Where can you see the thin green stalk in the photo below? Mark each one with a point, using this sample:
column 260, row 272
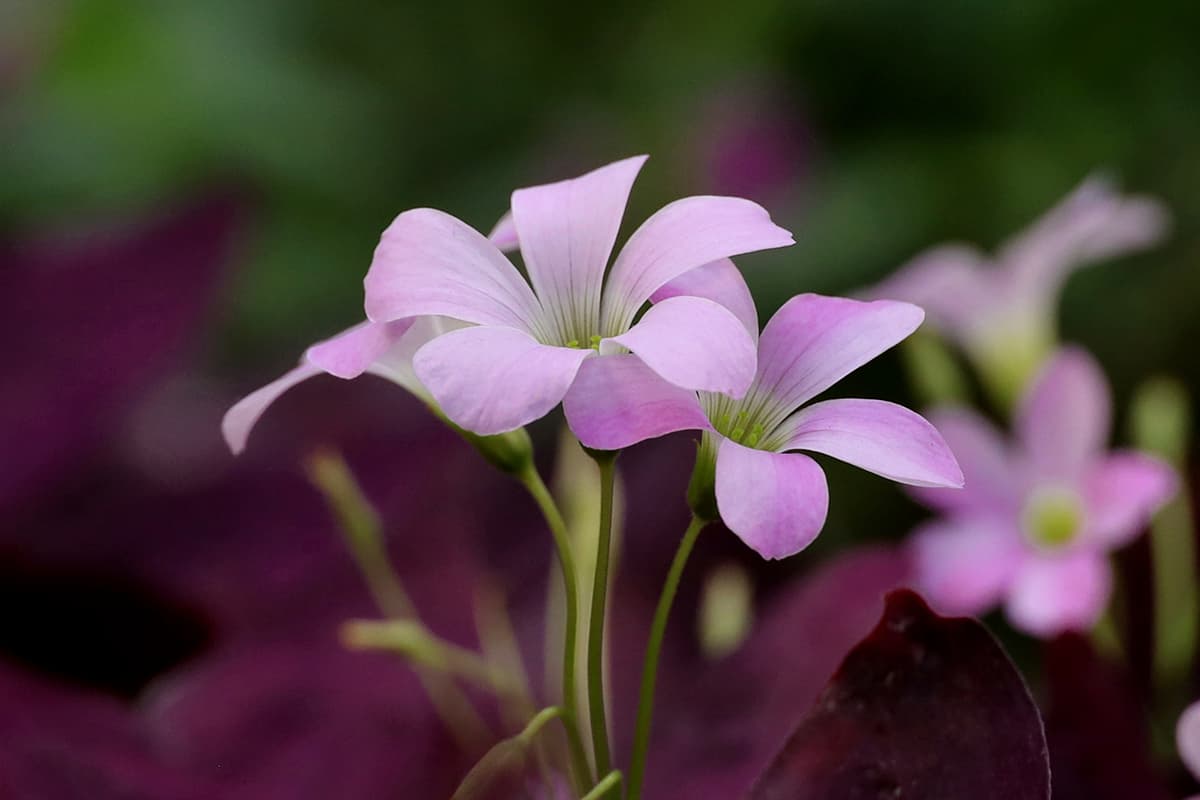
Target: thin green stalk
column 533, row 482
column 595, row 653
column 641, row 736
column 505, row 755
column 610, row 781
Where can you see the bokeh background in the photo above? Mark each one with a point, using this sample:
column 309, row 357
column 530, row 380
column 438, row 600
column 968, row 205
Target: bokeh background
column 190, row 193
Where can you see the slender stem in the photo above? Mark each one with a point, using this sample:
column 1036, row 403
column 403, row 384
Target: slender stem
column 641, row 736
column 606, row 785
column 595, row 652
column 533, row 482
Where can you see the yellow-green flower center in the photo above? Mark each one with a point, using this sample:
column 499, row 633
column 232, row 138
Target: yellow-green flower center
column 1053, row 518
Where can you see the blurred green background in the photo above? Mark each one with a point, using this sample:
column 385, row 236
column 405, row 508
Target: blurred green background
column 871, row 129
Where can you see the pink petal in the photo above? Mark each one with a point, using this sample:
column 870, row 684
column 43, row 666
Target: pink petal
column 352, row 352
column 1187, row 738
column 566, row 231
column 1122, row 492
column 953, row 283
column 814, row 341
column 990, row 478
column 429, row 263
column 490, row 379
column 720, row 281
column 877, row 436
column 681, row 236
column 1054, row 594
column 693, row 343
column 775, row 502
column 1064, row 421
column 964, row 565
column 617, row 401
column 241, row 418
column 504, row 233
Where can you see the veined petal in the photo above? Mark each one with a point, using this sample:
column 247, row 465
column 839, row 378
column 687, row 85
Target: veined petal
column 1064, row 420
column 504, row 233
column 566, row 232
column 693, row 343
column 491, row 380
column 775, row 502
column 617, row 401
column 814, row 341
column 720, row 281
column 429, row 263
column 1121, row 494
column 990, row 476
column 366, row 347
column 964, row 565
column 679, row 237
column 953, row 283
column 877, row 436
column 1052, row 595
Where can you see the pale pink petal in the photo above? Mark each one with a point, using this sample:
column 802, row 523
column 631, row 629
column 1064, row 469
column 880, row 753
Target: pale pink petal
column 1055, row 594
column 953, row 283
column 429, row 263
column 504, row 233
column 1187, row 738
column 617, row 401
column 351, row 353
column 1064, row 420
column 814, row 341
column 991, row 481
column 693, row 343
column 241, row 418
column 566, row 231
column 1122, row 492
column 775, row 502
column 877, row 436
column 679, row 237
column 720, row 281
column 490, row 379
column 964, row 565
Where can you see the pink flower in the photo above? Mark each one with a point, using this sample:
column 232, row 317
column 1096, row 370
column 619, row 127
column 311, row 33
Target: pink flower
column 774, row 499
column 1002, row 310
column 1187, row 740
column 1037, row 518
column 527, row 340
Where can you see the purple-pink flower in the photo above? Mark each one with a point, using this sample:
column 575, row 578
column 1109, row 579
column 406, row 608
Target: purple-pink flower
column 1187, row 740
column 774, row 499
column 527, row 339
column 1038, row 516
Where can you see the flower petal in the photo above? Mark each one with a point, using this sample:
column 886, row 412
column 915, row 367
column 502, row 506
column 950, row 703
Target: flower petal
column 566, row 232
column 877, row 436
column 953, row 283
column 814, row 341
column 352, row 352
column 1064, row 420
column 1187, row 738
column 775, row 502
column 964, row 565
column 679, row 237
column 491, row 379
column 720, row 281
column 693, row 343
column 240, row 419
column 1052, row 595
column 617, row 401
column 504, row 233
column 1122, row 492
column 990, row 478
column 429, row 263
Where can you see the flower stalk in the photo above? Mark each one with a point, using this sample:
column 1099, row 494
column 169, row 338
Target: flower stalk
column 597, row 714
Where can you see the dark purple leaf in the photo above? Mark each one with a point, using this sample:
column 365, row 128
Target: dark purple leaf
column 924, row 707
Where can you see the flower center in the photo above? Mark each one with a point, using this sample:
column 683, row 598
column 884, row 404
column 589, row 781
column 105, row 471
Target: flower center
column 590, row 343
column 738, row 421
column 1053, row 518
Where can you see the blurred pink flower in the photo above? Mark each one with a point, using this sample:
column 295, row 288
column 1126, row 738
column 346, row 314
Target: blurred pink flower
column 1037, row 518
column 1187, row 740
column 526, row 344
column 775, row 500
column 1002, row 310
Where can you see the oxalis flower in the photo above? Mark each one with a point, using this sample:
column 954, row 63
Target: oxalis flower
column 1002, row 309
column 1187, row 740
column 774, row 499
column 1038, row 516
column 527, row 340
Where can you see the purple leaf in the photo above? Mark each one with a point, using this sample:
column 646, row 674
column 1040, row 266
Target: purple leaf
column 924, row 707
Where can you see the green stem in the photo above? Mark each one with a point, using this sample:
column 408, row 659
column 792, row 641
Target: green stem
column 610, row 782
column 641, row 736
column 533, row 482
column 595, row 653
